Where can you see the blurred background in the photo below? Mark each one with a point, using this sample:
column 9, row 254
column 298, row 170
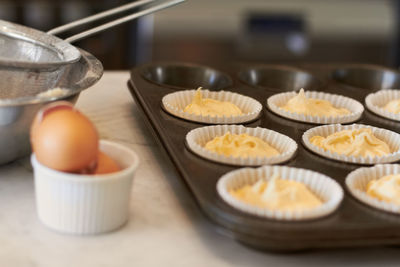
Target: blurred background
column 223, row 31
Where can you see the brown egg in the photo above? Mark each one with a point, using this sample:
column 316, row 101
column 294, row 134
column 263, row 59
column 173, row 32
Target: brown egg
column 105, row 164
column 43, row 111
column 64, row 139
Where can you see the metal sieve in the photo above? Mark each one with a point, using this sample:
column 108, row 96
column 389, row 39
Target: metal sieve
column 32, row 61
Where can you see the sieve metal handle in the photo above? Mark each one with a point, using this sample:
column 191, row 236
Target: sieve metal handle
column 98, row 16
column 116, row 22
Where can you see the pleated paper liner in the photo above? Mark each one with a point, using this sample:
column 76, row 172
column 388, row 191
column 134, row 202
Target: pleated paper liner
column 356, row 109
column 325, row 188
column 358, row 180
column 175, row 103
column 391, row 138
column 376, row 101
column 196, row 140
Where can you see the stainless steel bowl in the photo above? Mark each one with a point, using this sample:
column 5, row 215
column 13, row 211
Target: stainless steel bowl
column 32, row 62
column 19, row 103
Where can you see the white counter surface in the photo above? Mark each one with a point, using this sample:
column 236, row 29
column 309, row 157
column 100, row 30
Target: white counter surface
column 166, row 228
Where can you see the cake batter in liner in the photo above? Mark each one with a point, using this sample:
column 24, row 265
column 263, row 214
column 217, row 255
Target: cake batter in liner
column 175, row 103
column 376, row 101
column 197, row 139
column 358, row 180
column 356, row 109
column 391, row 138
column 324, row 187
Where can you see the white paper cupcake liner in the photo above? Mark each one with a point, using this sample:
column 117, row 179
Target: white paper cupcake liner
column 391, row 138
column 275, row 103
column 196, row 140
column 175, row 103
column 376, row 101
column 86, row 204
column 358, row 180
column 325, row 188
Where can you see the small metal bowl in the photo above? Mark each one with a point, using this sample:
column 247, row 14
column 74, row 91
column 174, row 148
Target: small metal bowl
column 19, row 101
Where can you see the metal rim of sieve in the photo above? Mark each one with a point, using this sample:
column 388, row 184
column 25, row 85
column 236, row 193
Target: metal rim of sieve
column 63, row 51
column 29, row 56
column 91, row 75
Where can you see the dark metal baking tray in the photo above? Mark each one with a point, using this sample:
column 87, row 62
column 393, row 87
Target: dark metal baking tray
column 352, row 225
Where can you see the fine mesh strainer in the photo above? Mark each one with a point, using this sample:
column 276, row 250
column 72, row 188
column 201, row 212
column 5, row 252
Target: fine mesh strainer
column 23, row 47
column 32, row 61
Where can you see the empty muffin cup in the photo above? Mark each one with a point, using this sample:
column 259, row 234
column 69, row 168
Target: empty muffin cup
column 358, row 180
column 370, row 77
column 183, row 76
column 278, row 78
column 86, row 204
column 354, row 107
column 376, row 102
column 327, row 190
column 391, row 138
column 175, row 104
column 196, row 140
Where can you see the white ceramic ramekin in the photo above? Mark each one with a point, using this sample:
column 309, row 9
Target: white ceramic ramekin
column 86, row 204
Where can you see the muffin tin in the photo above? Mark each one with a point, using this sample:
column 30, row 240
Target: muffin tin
column 354, row 224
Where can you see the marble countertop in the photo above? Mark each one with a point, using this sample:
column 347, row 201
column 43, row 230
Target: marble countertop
column 166, row 227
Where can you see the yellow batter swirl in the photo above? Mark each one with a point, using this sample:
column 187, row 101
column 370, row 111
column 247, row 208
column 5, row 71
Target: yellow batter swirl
column 278, row 194
column 211, row 107
column 386, row 188
column 393, row 106
column 361, row 142
column 315, row 107
column 242, row 145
